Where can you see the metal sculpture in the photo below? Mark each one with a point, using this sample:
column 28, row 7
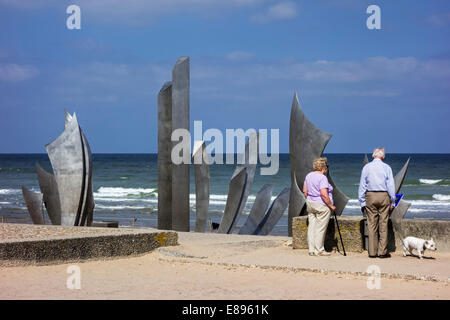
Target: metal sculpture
column 258, row 210
column 49, row 189
column 400, row 176
column 250, row 161
column 68, row 194
column 274, row 213
column 180, row 120
column 402, row 207
column 34, row 203
column 339, row 198
column 306, row 143
column 235, row 195
column 88, row 204
column 201, row 172
column 66, row 157
column 366, row 160
column 164, row 162
column 400, row 210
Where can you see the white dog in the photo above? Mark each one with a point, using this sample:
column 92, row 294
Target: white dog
column 411, row 243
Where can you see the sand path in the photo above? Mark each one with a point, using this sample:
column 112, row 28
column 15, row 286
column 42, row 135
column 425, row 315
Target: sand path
column 236, row 267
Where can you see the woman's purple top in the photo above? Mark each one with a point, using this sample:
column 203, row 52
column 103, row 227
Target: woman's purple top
column 314, row 182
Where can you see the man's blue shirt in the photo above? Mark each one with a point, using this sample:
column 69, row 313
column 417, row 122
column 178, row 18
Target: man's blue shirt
column 376, row 176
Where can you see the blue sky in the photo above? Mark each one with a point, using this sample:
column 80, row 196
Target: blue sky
column 388, row 87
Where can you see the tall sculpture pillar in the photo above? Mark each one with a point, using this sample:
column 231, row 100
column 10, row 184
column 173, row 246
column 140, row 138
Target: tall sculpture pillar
column 306, row 143
column 201, row 171
column 67, row 159
column 164, row 162
column 180, row 120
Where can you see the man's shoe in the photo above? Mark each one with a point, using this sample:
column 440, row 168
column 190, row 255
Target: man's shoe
column 387, row 255
column 373, row 256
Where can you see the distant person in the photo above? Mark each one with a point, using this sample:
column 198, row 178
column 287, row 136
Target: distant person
column 319, row 205
column 376, row 195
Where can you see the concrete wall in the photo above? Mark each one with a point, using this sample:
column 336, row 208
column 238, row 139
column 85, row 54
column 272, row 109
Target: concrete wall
column 39, row 244
column 352, row 231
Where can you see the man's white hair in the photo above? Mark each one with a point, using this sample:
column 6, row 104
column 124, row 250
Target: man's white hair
column 378, row 153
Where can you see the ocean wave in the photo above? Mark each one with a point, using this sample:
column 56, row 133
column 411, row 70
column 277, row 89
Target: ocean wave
column 430, row 181
column 117, row 194
column 432, row 203
column 103, row 207
column 109, row 199
column 418, row 210
column 440, row 200
column 10, row 191
column 121, row 192
column 441, row 197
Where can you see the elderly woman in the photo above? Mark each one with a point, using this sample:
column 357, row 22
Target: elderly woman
column 319, row 205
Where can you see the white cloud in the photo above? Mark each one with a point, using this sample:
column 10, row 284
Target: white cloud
column 280, row 11
column 239, row 56
column 441, row 20
column 15, row 73
column 140, row 11
column 252, row 81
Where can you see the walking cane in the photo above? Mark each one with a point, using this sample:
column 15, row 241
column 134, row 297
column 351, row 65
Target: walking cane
column 337, row 224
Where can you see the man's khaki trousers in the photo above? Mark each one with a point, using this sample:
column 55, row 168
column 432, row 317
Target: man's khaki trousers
column 377, row 208
column 318, row 217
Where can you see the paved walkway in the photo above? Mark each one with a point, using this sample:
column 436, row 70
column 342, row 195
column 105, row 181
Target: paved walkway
column 275, row 252
column 211, row 266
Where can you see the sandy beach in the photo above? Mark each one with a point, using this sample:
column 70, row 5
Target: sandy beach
column 208, row 266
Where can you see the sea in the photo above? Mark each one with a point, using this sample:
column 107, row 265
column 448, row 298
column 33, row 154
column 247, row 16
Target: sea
column 126, row 186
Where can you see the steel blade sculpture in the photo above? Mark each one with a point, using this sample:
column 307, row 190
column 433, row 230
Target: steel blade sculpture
column 366, row 160
column 164, row 162
column 258, row 210
column 173, row 179
column 402, row 207
column 87, row 195
column 274, row 213
column 235, row 195
column 201, row 172
column 250, row 159
column 49, row 189
column 306, row 143
column 68, row 194
column 180, row 120
column 66, row 157
column 34, row 205
column 400, row 176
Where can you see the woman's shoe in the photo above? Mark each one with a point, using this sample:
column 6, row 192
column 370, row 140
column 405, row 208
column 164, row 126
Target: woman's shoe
column 324, row 254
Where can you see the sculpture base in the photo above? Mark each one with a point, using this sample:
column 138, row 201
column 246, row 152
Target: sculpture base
column 44, row 244
column 354, row 235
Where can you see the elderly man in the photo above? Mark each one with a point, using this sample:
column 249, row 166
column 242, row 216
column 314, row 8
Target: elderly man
column 377, row 197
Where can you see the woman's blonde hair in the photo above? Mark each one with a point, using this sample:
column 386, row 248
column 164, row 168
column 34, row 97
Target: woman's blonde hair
column 319, row 164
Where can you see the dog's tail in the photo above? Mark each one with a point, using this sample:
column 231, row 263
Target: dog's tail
column 397, row 224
